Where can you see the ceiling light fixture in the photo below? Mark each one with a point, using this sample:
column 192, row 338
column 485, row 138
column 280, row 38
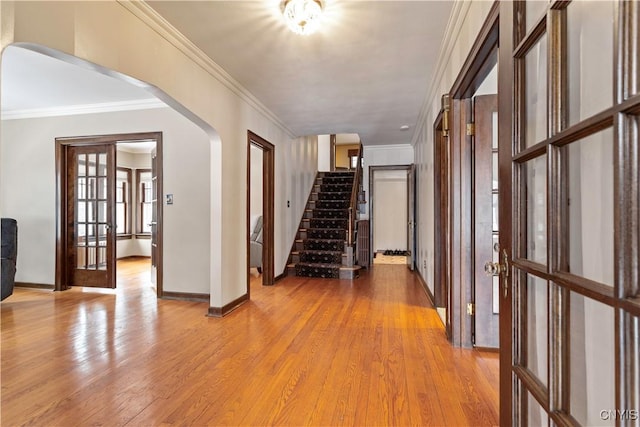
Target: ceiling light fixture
column 302, row 16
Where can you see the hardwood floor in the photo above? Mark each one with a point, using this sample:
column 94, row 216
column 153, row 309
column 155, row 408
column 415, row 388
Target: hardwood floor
column 303, row 352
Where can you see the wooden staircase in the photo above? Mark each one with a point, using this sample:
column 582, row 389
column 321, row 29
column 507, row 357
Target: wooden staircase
column 320, row 248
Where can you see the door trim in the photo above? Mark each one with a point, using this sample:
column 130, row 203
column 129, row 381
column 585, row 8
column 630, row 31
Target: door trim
column 477, row 66
column 268, row 216
column 62, row 144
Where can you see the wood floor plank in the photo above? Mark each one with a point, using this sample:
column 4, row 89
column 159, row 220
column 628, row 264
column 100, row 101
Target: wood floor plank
column 304, row 352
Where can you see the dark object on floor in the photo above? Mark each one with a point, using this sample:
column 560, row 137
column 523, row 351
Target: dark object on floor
column 9, row 234
column 395, row 252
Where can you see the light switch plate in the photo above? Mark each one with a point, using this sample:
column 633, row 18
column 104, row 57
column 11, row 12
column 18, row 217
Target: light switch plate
column 169, row 199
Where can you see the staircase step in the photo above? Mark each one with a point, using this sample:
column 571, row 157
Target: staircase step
column 326, row 233
column 335, row 188
column 328, row 223
column 323, row 245
column 330, row 213
column 332, row 204
column 320, row 257
column 334, row 195
column 318, row 270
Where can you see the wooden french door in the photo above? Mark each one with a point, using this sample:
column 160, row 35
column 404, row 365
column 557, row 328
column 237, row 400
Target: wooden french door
column 486, row 249
column 90, row 211
column 570, row 212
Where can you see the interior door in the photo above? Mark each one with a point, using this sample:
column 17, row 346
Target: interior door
column 569, row 180
column 485, row 214
column 90, row 213
column 411, row 217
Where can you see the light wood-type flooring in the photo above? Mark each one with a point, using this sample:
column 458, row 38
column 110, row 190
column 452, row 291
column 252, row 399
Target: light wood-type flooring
column 368, row 352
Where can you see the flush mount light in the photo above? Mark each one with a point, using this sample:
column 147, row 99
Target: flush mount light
column 404, row 127
column 302, row 16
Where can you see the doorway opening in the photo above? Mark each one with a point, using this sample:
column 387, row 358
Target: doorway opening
column 95, row 208
column 260, row 209
column 392, row 214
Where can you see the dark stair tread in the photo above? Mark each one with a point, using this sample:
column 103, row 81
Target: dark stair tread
column 318, row 265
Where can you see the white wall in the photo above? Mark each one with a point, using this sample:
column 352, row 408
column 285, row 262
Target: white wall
column 161, row 60
column 390, row 210
column 28, row 193
column 462, row 30
column 255, row 190
column 324, row 153
column 133, row 246
column 383, row 155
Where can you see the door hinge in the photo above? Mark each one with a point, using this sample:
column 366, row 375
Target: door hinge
column 471, row 309
column 471, row 129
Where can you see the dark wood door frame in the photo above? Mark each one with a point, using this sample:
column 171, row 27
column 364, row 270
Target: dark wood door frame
column 62, row 145
column 441, row 215
column 481, row 59
column 479, row 63
column 268, row 202
column 372, row 170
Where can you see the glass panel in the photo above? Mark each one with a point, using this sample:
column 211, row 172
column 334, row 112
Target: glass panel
column 102, row 164
column 81, row 233
column 535, row 176
column 91, row 258
column 496, row 294
column 591, row 203
column 102, row 188
column 536, row 415
column 494, row 177
column 91, row 188
column 102, row 211
column 81, row 212
column 81, row 189
column 91, row 212
column 102, row 235
column 534, row 11
column 495, row 212
column 102, row 258
column 81, row 257
column 120, row 218
column 536, row 93
column 590, row 57
column 91, row 234
column 537, row 327
column 592, row 355
column 92, row 165
column 494, row 130
column 82, row 165
column 146, row 217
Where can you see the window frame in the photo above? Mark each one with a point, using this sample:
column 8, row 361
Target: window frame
column 128, row 201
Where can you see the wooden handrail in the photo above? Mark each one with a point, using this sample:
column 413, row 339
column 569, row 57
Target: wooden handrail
column 353, row 205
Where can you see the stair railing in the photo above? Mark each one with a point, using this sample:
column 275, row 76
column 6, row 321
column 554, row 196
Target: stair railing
column 353, row 205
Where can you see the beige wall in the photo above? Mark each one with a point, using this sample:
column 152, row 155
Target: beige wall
column 28, row 193
column 342, row 156
column 124, row 38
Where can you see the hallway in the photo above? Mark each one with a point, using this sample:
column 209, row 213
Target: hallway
column 306, row 351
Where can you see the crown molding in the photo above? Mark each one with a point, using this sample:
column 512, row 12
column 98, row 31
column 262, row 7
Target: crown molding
column 454, row 25
column 156, row 22
column 72, row 110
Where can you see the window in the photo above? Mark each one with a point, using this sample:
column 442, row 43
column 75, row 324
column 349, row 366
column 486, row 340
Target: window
column 144, row 202
column 123, row 203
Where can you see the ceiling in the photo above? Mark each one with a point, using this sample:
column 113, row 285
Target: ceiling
column 367, row 71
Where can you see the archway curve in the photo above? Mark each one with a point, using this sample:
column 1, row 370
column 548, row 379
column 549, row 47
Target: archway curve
column 211, row 133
